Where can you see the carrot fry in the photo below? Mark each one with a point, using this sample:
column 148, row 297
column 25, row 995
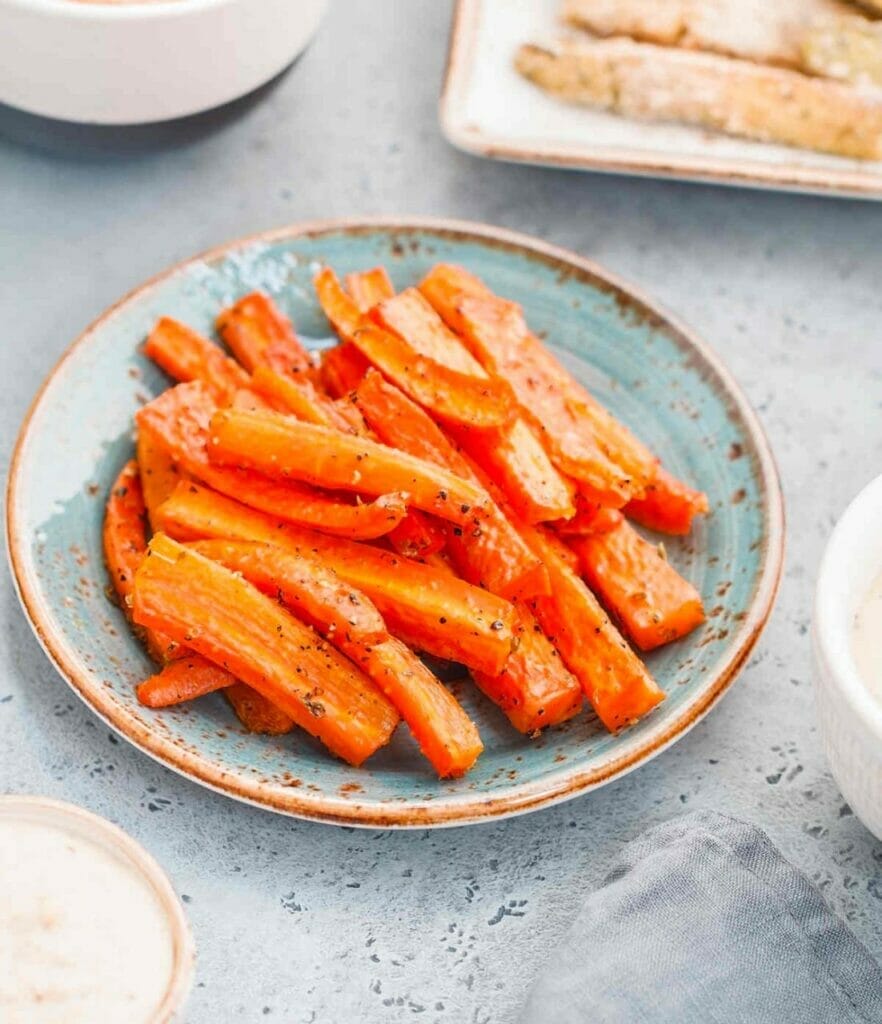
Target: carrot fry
column 589, row 519
column 257, row 713
column 180, row 419
column 257, row 332
column 185, row 355
column 343, row 367
column 182, row 680
column 535, row 689
column 491, row 554
column 313, row 592
column 452, row 618
column 369, row 287
column 668, row 505
column 417, row 536
column 159, row 472
column 639, row 586
column 231, row 623
column 512, row 456
column 613, row 678
column 253, row 401
column 300, row 398
column 446, row 735
column 583, row 439
column 284, row 448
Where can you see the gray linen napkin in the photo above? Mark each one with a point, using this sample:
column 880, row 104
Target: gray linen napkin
column 702, row 921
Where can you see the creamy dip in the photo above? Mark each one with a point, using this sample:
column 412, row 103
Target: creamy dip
column 83, row 936
column 866, row 638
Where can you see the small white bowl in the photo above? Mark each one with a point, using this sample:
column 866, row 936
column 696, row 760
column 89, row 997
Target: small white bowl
column 850, row 716
column 138, row 62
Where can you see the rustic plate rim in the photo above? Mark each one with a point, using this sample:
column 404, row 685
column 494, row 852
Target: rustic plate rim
column 424, row 813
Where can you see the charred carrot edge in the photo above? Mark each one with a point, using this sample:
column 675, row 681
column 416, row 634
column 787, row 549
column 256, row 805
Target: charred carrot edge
column 254, row 326
column 369, row 287
column 180, row 417
column 185, row 355
column 583, row 439
column 446, row 735
column 613, row 678
column 257, row 713
column 158, row 471
column 639, row 586
column 535, row 689
column 479, row 403
column 228, row 621
column 287, row 449
column 454, row 619
column 181, row 680
column 513, row 456
column 668, row 505
column 342, row 369
column 490, row 553
column 308, row 588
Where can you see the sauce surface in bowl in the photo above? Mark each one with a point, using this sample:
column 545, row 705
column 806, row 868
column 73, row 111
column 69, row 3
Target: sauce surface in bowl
column 866, row 638
column 83, row 935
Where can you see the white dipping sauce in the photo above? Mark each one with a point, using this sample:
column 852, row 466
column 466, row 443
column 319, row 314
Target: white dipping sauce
column 83, row 936
column 867, row 638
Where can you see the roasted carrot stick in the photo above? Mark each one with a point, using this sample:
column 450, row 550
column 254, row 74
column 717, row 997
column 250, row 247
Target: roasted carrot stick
column 231, row 623
column 590, row 518
column 287, row 449
column 158, row 470
column 668, row 505
column 479, row 403
column 446, row 735
column 535, row 689
column 253, row 401
column 185, row 355
column 639, row 586
column 343, row 367
column 454, row 619
column 299, row 398
column 257, row 713
column 312, row 591
column 492, row 553
column 181, row 680
column 417, row 535
column 179, row 419
column 583, row 439
column 258, row 332
column 369, row 287
column 613, row 678
column 513, row 456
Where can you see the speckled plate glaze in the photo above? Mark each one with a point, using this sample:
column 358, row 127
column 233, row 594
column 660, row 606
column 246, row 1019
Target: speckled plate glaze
column 649, row 369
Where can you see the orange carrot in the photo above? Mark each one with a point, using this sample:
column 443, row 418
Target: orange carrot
column 513, row 457
column 287, row 449
column 300, row 398
column 369, row 287
column 492, row 553
column 253, row 401
column 454, row 619
column 343, row 366
column 257, row 713
column 181, row 680
column 417, row 535
column 180, row 419
column 668, row 505
column 257, row 331
column 590, row 518
column 534, row 689
column 583, row 439
column 231, row 623
column 185, row 355
column 613, row 678
column 445, row 733
column 312, row 591
column 639, row 586
column 159, row 472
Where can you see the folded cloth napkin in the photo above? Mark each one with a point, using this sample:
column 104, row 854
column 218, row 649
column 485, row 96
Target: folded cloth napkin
column 702, row 921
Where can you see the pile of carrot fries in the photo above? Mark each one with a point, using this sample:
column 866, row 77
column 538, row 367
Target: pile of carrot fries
column 438, row 484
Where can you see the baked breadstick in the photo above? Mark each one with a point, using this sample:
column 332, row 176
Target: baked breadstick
column 849, row 49
column 734, row 96
column 766, row 31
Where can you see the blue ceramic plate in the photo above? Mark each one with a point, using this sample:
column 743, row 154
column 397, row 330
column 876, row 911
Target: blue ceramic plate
column 647, row 368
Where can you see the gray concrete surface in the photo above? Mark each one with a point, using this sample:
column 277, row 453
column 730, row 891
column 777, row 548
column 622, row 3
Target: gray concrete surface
column 304, row 923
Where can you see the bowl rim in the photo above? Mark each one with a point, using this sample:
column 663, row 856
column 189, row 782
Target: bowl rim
column 831, row 628
column 105, row 833
column 426, row 812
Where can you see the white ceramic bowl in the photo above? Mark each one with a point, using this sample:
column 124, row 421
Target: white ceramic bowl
column 136, row 62
column 850, row 717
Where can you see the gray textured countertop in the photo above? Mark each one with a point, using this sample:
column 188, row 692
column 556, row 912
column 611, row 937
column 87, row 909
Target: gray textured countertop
column 299, row 922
